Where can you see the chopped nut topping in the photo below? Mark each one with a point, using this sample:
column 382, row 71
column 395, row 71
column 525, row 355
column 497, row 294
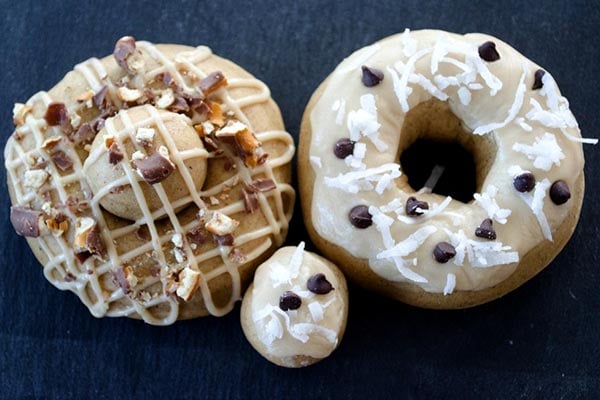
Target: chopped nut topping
column 213, row 200
column 231, row 129
column 125, row 278
column 85, row 96
column 126, row 57
column 35, row 178
column 128, row 95
column 145, row 136
column 215, row 114
column 50, row 143
column 237, row 256
column 196, row 236
column 88, row 238
column 57, row 225
column 189, row 281
column 212, row 82
column 19, row 112
column 166, row 99
column 220, row 224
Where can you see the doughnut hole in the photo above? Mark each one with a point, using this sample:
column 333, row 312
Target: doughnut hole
column 121, row 200
column 432, row 135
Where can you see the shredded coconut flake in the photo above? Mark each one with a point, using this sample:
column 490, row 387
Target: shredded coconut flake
column 355, row 181
column 316, row 161
column 363, row 122
column 316, row 311
column 480, row 254
column 340, row 107
column 535, row 201
column 408, row 245
column 409, row 44
column 382, row 224
column 545, row 151
column 487, row 201
column 464, row 95
column 512, row 112
column 450, row 284
column 355, row 160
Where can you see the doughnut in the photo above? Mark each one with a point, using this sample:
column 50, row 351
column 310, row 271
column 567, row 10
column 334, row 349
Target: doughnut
column 151, row 183
column 408, row 238
column 294, row 313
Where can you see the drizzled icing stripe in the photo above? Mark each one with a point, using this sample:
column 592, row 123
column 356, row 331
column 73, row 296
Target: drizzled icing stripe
column 88, row 286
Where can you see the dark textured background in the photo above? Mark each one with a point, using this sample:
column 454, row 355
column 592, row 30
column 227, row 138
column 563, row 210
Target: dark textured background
column 541, row 341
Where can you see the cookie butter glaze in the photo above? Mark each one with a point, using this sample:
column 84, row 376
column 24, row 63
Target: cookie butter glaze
column 311, row 330
column 165, row 250
column 490, row 98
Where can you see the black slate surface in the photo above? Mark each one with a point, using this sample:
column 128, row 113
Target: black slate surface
column 541, row 341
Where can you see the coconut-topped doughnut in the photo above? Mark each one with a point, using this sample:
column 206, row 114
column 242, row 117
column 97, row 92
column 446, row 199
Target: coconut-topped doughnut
column 294, row 314
column 152, row 182
column 443, row 170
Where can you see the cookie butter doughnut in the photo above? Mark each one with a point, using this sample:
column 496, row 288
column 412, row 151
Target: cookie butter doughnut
column 294, row 314
column 411, row 243
column 152, row 182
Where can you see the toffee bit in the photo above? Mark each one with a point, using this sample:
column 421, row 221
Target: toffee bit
column 415, row 207
column 319, row 284
column 154, row 168
column 289, row 301
column 263, row 185
column 371, row 76
column 25, row 221
column 360, row 217
column 62, row 161
column 443, row 252
column 488, row 52
column 83, row 256
column 486, row 230
column 85, row 134
column 197, row 235
column 143, row 233
column 343, row 148
column 100, row 99
column 115, row 155
column 180, row 106
column 212, row 82
column 250, row 200
column 559, row 192
column 56, row 114
column 121, row 277
column 537, row 79
column 224, row 240
column 124, row 48
column 75, row 205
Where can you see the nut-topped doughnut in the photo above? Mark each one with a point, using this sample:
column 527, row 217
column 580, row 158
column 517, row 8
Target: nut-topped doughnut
column 456, row 97
column 152, row 182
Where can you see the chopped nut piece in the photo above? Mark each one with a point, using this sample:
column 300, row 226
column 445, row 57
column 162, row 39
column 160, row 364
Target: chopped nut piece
column 137, row 155
column 177, row 240
column 50, row 143
column 220, row 224
column 128, row 95
column 212, row 82
column 189, row 281
column 166, row 99
column 108, row 141
column 213, row 200
column 85, row 96
column 231, row 129
column 126, row 56
column 35, row 178
column 57, row 225
column 145, row 136
column 125, row 278
column 196, row 236
column 88, row 238
column 19, row 112
column 237, row 256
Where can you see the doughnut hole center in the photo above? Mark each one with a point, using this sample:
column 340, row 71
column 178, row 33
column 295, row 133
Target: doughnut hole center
column 433, row 136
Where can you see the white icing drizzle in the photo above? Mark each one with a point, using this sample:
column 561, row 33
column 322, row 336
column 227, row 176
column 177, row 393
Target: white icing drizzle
column 86, row 279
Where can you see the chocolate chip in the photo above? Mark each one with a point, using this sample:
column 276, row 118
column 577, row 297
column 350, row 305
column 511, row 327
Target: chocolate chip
column 415, row 207
column 114, row 154
column 124, row 48
column 537, row 79
column 85, row 134
column 371, row 76
column 343, row 148
column 250, row 200
column 443, row 252
column 154, row 168
column 100, row 100
column 524, row 182
column 289, row 301
column 262, row 185
column 559, row 192
column 488, row 52
column 25, row 221
column 486, row 230
column 56, row 114
column 62, row 161
column 179, row 106
column 143, row 233
column 319, row 284
column 212, row 82
column 360, row 217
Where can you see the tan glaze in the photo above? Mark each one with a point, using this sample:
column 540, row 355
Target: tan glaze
column 535, row 252
column 288, row 351
column 222, row 279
